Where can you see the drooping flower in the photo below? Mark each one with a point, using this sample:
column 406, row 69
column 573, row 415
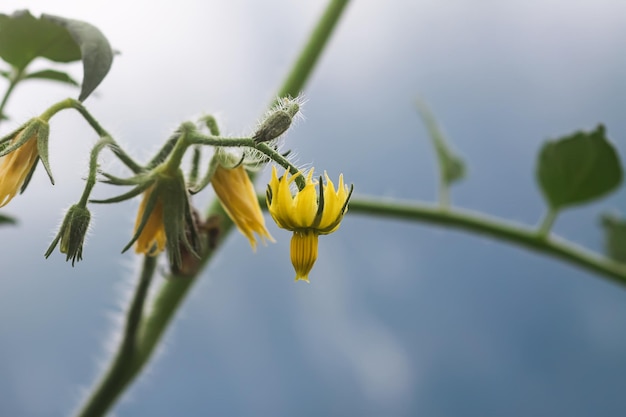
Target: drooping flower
column 28, row 145
column 165, row 217
column 308, row 213
column 236, row 193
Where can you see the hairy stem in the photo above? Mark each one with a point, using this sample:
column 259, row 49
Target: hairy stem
column 120, row 374
column 173, row 291
column 498, row 229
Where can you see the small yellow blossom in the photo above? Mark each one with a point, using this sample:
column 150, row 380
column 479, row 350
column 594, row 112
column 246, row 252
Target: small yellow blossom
column 15, row 167
column 307, row 214
column 236, row 193
column 152, row 239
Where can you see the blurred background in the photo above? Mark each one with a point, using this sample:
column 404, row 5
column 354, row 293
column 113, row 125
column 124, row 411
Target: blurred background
column 400, row 319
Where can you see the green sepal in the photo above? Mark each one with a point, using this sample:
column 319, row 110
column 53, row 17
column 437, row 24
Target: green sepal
column 178, row 222
column 134, row 180
column 164, row 152
column 72, row 234
column 126, row 196
column 150, row 205
column 42, row 146
column 268, row 196
column 176, row 216
column 320, row 205
column 29, row 176
column 206, row 180
column 341, row 213
column 21, row 134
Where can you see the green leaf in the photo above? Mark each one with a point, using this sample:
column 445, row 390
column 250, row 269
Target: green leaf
column 578, row 168
column 451, row 166
column 24, row 38
column 95, row 49
column 52, row 75
column 615, row 237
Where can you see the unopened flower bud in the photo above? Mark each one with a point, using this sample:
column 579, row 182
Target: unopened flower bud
column 276, row 124
column 273, row 127
column 72, row 233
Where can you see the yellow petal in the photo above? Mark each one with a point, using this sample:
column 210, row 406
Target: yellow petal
column 236, row 193
column 14, row 169
column 152, row 239
column 303, row 253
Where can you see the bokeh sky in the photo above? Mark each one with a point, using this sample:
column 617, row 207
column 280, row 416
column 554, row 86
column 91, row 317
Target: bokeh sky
column 400, row 319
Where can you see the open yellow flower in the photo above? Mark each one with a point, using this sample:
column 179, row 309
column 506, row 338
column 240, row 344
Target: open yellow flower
column 152, row 239
column 307, row 214
column 15, row 167
column 236, row 193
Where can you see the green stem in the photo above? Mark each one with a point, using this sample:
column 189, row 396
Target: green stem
column 198, row 138
column 444, row 191
column 93, row 168
column 284, row 162
column 305, row 64
column 546, row 223
column 120, row 374
column 173, row 291
column 115, row 148
column 498, row 229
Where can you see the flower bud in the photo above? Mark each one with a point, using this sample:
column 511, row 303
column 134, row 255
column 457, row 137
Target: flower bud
column 72, row 233
column 276, row 123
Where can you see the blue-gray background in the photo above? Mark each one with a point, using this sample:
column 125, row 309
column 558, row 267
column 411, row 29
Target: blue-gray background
column 399, row 319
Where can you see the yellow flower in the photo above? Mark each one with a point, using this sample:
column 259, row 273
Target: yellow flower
column 307, row 214
column 236, row 193
column 15, row 167
column 152, row 239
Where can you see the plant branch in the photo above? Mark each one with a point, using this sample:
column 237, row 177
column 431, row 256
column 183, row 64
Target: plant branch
column 120, row 372
column 498, row 229
column 173, row 291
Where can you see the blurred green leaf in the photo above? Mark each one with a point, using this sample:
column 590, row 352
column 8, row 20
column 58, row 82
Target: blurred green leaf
column 52, row 75
column 615, row 237
column 95, row 49
column 578, row 168
column 7, row 219
column 452, row 166
column 24, row 38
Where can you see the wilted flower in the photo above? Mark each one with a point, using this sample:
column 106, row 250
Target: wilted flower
column 236, row 193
